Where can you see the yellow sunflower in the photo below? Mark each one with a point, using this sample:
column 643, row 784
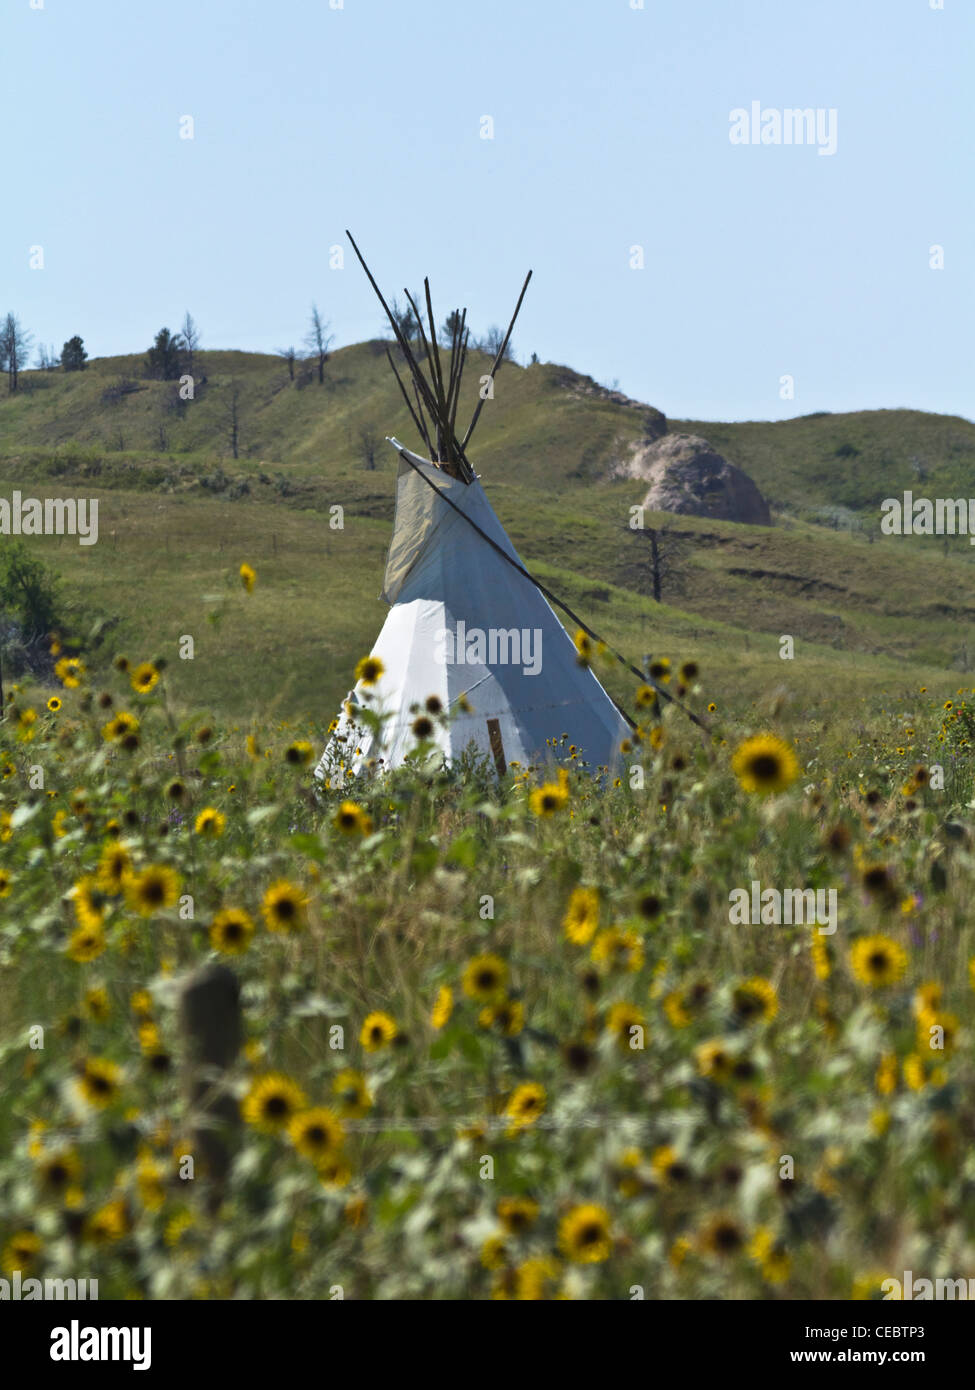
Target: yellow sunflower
column 99, row 1081
column 582, row 916
column 154, row 890
column 284, row 907
column 878, row 960
column 317, row 1134
column 272, row 1102
column 352, row 819
column 210, row 822
column 485, row 977
column 755, row 1000
column 584, row 1234
column 765, row 764
column 443, row 1008
column 378, row 1031
column 22, row 1252
column 525, row 1104
column 144, row 677
column 85, row 944
column 231, row 931
column 369, row 670
column 248, row 577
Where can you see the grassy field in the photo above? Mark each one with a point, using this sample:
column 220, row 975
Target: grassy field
column 488, row 1043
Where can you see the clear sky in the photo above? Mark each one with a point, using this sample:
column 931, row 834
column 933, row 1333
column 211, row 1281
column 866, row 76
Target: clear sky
column 611, row 130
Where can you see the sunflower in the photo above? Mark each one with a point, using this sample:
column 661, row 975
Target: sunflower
column 755, row 999
column 507, row 1017
column 22, row 1252
column 689, row 672
column 6, row 880
column 581, row 916
column 443, row 1008
column 334, row 1172
column 231, row 931
column 646, row 697
column 378, row 1031
column 668, row 1166
column 58, row 1170
column 299, row 753
column 317, row 1134
column 369, row 670
column 517, row 1214
column 534, row 1280
column 114, row 866
column 99, row 1081
column 765, row 764
column 584, row 1234
column 548, row 798
column 140, row 1002
column 878, row 960
column 352, row 1093
column 108, row 1224
column 144, row 677
column 54, row 704
column 714, row 1060
column 88, row 901
column 154, row 890
column 422, row 727
column 70, row 671
column 770, row 1255
column 210, row 822
column 121, row 726
column 617, row 947
column 525, row 1104
column 248, row 577
column 485, row 977
column 622, row 1020
column 927, row 999
column 284, row 906
column 352, row 819
column 85, row 944
column 722, row 1236
column 272, row 1102
column 583, row 645
column 150, row 1181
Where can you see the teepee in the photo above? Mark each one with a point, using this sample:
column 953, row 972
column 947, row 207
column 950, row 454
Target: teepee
column 471, row 653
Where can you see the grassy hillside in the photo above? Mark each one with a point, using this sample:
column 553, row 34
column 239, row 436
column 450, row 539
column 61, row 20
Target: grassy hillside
column 178, row 514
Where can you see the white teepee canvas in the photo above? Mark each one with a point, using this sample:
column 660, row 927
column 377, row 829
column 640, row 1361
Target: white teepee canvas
column 466, row 627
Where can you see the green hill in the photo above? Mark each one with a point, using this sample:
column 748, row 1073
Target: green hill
column 178, row 514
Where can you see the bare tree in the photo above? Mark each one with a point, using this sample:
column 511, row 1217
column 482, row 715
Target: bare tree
column 491, row 343
column 47, row 359
column 233, row 419
column 190, row 333
column 367, row 442
column 661, row 557
column 15, row 345
column 318, row 340
column 290, row 356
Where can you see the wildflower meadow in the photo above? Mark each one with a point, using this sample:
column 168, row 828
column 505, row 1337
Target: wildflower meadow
column 483, row 1039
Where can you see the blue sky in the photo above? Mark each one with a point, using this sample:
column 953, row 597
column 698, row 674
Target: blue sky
column 611, row 130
